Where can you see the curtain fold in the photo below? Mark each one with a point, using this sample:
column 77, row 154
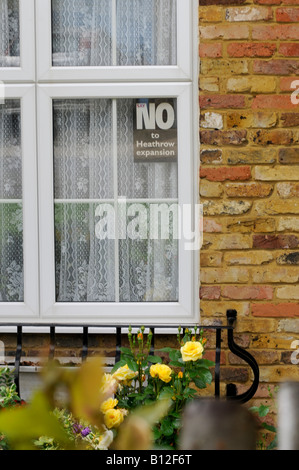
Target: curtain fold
column 83, row 34
column 11, row 213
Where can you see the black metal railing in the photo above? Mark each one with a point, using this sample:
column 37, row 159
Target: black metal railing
column 231, row 391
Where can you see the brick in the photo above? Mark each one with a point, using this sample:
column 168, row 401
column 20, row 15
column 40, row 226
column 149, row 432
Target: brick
column 276, row 67
column 249, row 225
column 275, row 310
column 210, row 14
column 287, row 84
column 248, row 258
column 210, row 120
column 251, row 156
column 262, row 357
column 288, row 326
column 240, row 173
column 287, row 15
column 288, row 223
column 221, row 2
column 210, row 84
column 247, row 292
column 257, row 325
column 273, row 32
column 211, row 208
column 224, row 275
column 221, row 101
column 221, row 67
column 248, row 189
column 251, row 85
column 268, row 2
column 279, row 374
column 236, row 31
column 289, row 119
column 273, row 137
column 288, row 275
column 216, row 309
column 288, row 155
column 275, row 242
column 291, row 258
column 238, row 374
column 278, row 102
column 231, row 137
column 251, row 49
column 248, row 13
column 211, row 226
column 276, row 207
column 210, row 189
column 288, row 190
column 231, row 241
column 210, row 292
column 289, row 49
column 210, row 50
column 249, row 119
column 277, row 174
column 211, row 157
column 208, row 259
column 288, row 292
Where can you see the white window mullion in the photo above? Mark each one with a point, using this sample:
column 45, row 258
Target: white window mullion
column 115, row 190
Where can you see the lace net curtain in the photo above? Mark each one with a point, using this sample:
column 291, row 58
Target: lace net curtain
column 114, row 32
column 83, row 165
column 9, row 33
column 11, row 220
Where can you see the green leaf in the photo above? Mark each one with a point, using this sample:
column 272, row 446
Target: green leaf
column 176, row 363
column 126, row 351
column 167, row 350
column 268, row 427
column 205, row 363
column 167, row 427
column 174, row 355
column 154, row 359
column 200, row 383
column 263, row 410
column 132, row 364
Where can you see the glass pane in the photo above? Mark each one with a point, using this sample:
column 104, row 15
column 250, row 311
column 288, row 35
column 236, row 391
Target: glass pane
column 84, row 262
column 146, row 32
column 83, row 169
column 83, row 161
column 148, row 264
column 9, row 33
column 155, row 176
column 113, row 32
column 11, row 214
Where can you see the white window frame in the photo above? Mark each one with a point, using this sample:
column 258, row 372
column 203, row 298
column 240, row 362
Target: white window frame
column 26, row 71
column 180, row 72
column 129, row 312
column 28, row 309
column 49, row 83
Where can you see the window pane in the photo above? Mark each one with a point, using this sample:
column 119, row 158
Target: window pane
column 83, row 169
column 11, row 214
column 9, row 33
column 95, row 262
column 148, row 267
column 146, row 32
column 156, row 177
column 113, row 32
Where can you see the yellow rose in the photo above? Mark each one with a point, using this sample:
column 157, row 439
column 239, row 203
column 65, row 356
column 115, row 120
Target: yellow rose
column 109, row 405
column 192, row 351
column 161, row 371
column 124, row 374
column 113, row 418
column 109, row 385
